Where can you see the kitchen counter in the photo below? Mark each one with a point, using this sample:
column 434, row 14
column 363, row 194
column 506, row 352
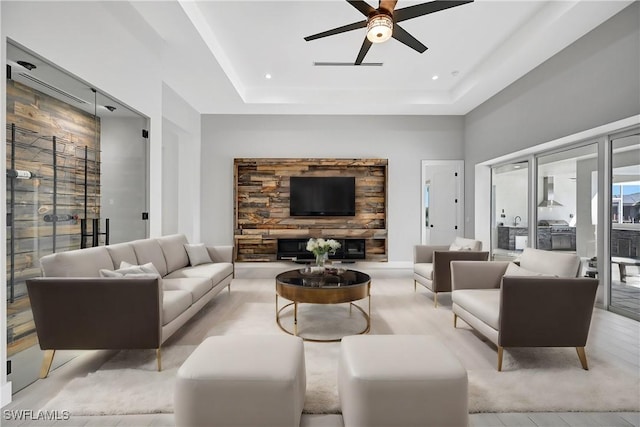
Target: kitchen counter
column 507, row 236
column 566, row 240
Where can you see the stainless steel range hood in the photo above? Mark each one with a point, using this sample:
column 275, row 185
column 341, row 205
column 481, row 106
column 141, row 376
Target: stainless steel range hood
column 547, row 193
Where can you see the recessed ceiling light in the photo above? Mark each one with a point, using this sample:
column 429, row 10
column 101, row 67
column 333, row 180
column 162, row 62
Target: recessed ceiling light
column 516, row 167
column 267, row 76
column 435, row 77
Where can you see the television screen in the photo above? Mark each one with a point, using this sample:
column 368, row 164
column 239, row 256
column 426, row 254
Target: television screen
column 322, row 196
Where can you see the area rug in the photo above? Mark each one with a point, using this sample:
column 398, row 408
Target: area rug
column 533, row 380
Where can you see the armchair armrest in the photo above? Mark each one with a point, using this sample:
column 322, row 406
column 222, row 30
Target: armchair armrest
column 477, row 274
column 442, row 266
column 424, row 253
column 546, row 311
column 96, row 313
column 221, row 253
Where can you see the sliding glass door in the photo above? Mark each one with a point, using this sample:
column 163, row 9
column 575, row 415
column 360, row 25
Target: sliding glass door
column 510, row 210
column 625, row 226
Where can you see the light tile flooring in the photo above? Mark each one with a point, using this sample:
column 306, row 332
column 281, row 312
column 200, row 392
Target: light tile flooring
column 620, row 336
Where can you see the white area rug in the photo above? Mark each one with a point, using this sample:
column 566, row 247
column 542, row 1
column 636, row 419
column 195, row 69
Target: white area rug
column 532, row 379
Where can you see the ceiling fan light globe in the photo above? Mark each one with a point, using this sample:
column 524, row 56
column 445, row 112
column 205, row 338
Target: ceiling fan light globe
column 379, row 28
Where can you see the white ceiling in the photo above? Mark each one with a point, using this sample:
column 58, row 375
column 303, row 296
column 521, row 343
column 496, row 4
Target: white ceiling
column 222, row 50
column 215, row 54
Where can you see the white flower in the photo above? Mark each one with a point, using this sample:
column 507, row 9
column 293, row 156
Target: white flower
column 321, row 246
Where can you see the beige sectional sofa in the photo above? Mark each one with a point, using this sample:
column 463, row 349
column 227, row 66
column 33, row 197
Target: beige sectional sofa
column 539, row 303
column 75, row 308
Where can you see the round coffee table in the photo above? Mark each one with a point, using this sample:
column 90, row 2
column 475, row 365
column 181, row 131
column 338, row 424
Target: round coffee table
column 330, row 287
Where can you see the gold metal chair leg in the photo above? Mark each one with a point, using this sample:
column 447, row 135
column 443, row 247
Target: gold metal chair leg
column 415, row 284
column 500, row 349
column 435, row 299
column 455, row 320
column 47, row 361
column 583, row 358
column 159, row 358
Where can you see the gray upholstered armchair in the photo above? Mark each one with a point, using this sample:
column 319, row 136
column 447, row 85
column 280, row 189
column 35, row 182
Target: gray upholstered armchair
column 540, row 303
column 431, row 266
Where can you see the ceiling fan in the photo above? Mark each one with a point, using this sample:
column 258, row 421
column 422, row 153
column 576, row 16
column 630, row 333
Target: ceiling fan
column 382, row 23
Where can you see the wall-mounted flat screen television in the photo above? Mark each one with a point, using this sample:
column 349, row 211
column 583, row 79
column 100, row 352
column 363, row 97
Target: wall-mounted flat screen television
column 322, row 196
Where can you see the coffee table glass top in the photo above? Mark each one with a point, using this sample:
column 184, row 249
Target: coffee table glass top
column 328, row 279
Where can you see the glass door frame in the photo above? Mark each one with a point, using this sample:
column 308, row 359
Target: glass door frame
column 604, row 141
column 604, row 209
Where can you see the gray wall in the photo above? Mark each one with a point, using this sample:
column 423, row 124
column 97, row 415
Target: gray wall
column 404, row 140
column 592, row 82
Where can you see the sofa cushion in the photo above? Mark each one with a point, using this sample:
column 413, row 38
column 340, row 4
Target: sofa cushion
column 77, row 263
column 462, row 244
column 149, row 250
column 174, row 303
column 215, row 271
column 196, row 286
column 174, row 253
column 554, row 263
column 424, row 269
column 482, row 303
column 122, row 252
column 198, row 254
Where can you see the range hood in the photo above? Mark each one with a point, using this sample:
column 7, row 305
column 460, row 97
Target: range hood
column 547, row 193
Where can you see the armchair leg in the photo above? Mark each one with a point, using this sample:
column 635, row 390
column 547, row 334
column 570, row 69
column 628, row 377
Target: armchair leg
column 159, row 358
column 583, row 358
column 500, row 349
column 46, row 363
column 415, row 284
column 435, row 299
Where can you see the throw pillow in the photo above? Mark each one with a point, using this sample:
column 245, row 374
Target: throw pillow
column 515, row 270
column 108, row 273
column 147, row 268
column 198, row 254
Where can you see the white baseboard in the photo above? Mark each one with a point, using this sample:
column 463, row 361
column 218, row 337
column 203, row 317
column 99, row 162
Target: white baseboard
column 5, row 394
column 268, row 270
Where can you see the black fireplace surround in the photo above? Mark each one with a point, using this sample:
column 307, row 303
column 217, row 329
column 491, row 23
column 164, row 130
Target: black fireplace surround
column 296, row 250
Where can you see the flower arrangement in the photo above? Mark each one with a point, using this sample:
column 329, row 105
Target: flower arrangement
column 321, row 247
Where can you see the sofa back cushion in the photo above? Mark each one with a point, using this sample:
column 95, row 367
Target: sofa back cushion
column 149, row 250
column 174, row 252
column 462, row 244
column 77, row 263
column 122, row 252
column 555, row 263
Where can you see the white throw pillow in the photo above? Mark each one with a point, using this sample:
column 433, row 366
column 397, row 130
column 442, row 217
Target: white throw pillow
column 108, row 273
column 148, row 268
column 516, row 270
column 198, row 254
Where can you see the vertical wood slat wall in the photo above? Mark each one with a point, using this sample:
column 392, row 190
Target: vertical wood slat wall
column 261, row 209
column 37, row 118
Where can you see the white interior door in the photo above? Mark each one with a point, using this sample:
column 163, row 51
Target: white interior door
column 442, row 201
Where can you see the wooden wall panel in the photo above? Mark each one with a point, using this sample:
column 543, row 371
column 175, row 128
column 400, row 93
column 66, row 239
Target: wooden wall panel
column 38, row 117
column 261, row 208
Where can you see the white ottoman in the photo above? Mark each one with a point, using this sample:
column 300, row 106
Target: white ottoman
column 242, row 380
column 400, row 380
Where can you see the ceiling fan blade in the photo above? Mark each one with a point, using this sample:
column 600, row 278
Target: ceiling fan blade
column 387, row 5
column 338, row 30
column 404, row 37
column 362, row 6
column 363, row 51
column 425, row 9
